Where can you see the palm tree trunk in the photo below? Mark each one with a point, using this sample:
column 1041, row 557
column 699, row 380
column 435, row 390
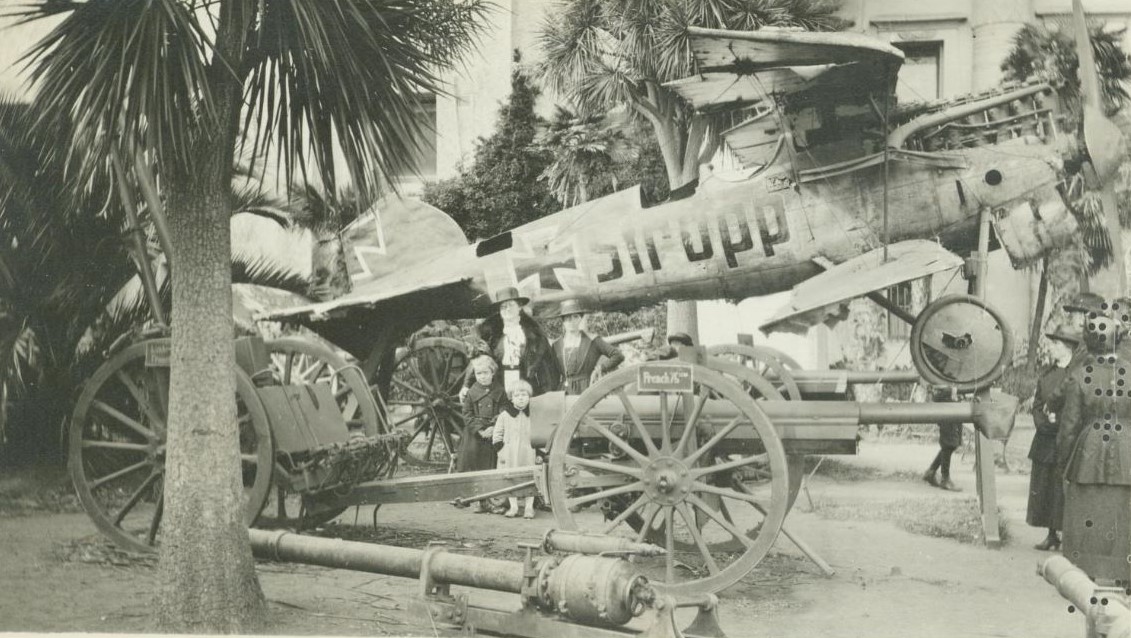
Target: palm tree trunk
column 683, row 316
column 207, row 575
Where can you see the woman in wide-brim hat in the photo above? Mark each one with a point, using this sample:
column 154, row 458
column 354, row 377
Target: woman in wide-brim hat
column 1094, row 454
column 583, row 358
column 518, row 344
column 1046, row 490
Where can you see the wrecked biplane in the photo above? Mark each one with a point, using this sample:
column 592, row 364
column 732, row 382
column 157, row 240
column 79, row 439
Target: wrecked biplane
column 842, row 197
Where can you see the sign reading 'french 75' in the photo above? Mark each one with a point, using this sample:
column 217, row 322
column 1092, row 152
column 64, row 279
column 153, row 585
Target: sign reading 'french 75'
column 665, row 377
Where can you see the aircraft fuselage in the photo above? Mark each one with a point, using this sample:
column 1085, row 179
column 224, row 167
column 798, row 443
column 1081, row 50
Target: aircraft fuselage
column 758, row 236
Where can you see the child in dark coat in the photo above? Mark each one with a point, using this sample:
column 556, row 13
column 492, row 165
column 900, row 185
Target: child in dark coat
column 481, row 406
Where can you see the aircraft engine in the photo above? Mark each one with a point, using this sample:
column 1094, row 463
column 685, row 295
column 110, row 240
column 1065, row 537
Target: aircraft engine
column 1029, row 229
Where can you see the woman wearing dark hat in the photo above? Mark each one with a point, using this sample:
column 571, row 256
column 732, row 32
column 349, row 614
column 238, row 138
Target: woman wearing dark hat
column 1094, row 454
column 580, row 354
column 519, row 345
column 1046, row 492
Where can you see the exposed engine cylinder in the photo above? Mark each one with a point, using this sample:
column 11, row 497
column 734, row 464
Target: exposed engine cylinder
column 1028, row 230
column 595, row 590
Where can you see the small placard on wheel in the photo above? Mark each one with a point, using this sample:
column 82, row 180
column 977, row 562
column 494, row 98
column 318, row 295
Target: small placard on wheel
column 158, row 353
column 665, row 377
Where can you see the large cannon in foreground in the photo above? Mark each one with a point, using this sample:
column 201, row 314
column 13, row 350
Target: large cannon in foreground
column 594, row 586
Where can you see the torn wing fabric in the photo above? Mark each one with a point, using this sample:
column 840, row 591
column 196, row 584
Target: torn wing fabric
column 366, row 297
column 824, row 298
column 737, row 68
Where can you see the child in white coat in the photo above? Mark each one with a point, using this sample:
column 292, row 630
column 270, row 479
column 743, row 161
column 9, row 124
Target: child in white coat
column 512, row 439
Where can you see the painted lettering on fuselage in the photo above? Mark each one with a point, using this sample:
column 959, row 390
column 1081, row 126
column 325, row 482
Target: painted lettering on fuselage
column 736, row 225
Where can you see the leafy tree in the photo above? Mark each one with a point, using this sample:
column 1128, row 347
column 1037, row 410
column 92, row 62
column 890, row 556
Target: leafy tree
column 595, row 155
column 603, row 55
column 185, row 86
column 500, row 189
column 585, row 151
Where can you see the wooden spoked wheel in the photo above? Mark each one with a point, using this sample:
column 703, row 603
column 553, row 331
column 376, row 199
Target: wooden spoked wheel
column 424, row 400
column 702, row 475
column 760, row 389
column 769, row 363
column 116, row 447
column 302, row 361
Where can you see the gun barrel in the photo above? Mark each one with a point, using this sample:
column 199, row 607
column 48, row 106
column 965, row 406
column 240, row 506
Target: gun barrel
column 1108, row 615
column 454, row 569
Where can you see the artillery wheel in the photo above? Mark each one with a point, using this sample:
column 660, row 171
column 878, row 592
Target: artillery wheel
column 760, row 388
column 424, row 399
column 700, row 496
column 116, row 446
column 961, row 341
column 302, row 361
column 762, row 361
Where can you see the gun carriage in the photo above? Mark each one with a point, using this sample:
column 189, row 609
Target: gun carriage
column 701, row 456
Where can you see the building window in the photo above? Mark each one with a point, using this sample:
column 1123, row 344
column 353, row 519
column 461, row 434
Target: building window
column 902, row 296
column 919, row 77
column 424, row 164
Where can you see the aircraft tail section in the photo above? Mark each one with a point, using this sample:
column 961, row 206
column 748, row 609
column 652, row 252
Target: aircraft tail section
column 395, row 234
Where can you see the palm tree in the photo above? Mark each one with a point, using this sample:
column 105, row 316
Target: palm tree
column 68, row 286
column 603, row 55
column 185, row 87
column 585, row 151
column 54, row 241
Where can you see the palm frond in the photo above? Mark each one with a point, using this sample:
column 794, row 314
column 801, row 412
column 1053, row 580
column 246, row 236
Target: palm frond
column 338, row 74
column 127, row 74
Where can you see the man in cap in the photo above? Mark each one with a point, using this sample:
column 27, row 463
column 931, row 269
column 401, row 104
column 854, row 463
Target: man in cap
column 1076, row 309
column 677, row 340
column 582, row 357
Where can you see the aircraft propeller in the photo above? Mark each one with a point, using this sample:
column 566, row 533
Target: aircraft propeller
column 1105, row 142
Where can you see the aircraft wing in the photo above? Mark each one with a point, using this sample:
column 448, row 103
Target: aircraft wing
column 371, row 297
column 738, row 68
column 825, row 297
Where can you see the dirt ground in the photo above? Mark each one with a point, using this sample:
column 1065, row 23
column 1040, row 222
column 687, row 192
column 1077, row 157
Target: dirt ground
column 56, row 575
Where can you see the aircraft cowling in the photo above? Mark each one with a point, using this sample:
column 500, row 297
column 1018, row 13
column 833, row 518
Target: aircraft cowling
column 1027, row 230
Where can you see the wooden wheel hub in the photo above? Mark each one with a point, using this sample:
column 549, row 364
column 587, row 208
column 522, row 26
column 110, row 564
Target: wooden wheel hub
column 666, row 480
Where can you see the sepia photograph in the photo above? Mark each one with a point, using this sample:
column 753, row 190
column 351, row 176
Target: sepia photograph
column 578, row 318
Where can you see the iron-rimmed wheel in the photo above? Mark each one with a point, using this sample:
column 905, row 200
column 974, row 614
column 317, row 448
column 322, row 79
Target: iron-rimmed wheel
column 303, row 361
column 714, row 494
column 766, row 362
column 761, row 389
column 424, row 399
column 961, row 341
column 116, row 445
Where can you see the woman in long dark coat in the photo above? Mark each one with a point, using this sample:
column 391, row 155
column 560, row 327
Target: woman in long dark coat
column 1046, row 492
column 1094, row 451
column 519, row 345
column 580, row 354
